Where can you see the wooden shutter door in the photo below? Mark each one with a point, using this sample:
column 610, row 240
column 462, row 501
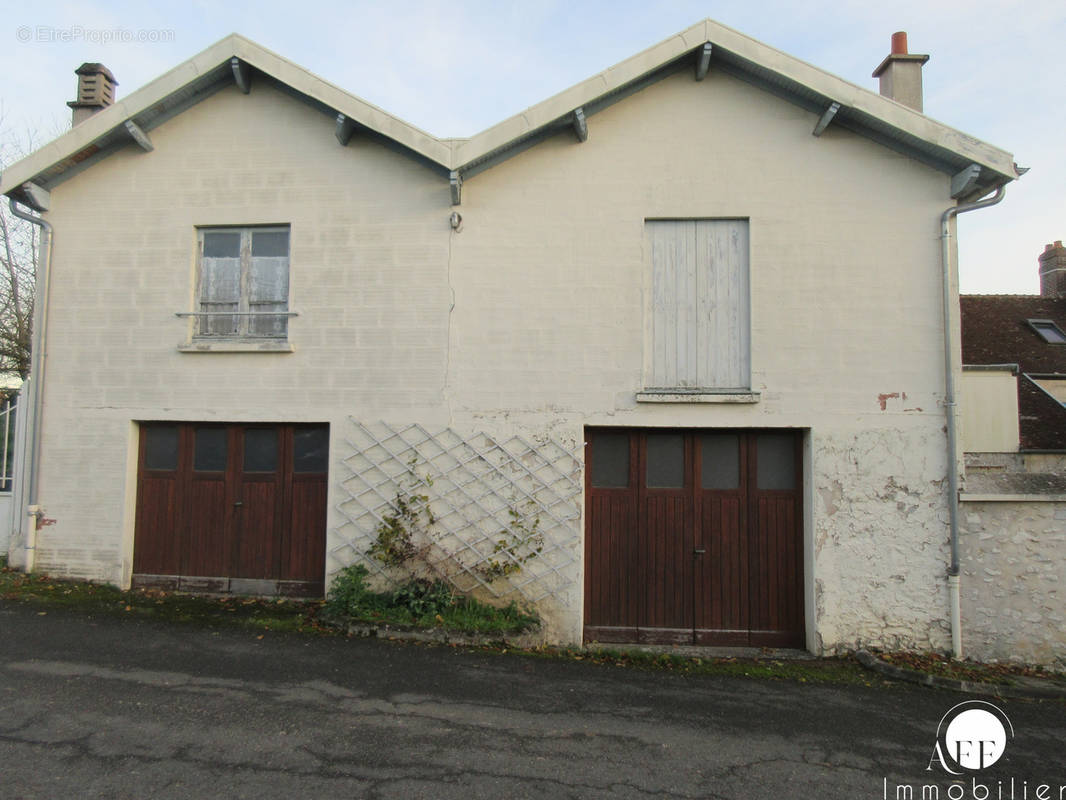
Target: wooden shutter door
column 665, row 534
column 694, row 536
column 722, row 557
column 159, row 521
column 613, row 592
column 775, row 540
column 304, row 554
column 209, row 535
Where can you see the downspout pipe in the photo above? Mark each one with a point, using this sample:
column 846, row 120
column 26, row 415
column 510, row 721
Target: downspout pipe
column 37, row 355
column 950, row 408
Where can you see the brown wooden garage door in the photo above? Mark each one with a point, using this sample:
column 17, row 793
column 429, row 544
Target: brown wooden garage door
column 232, row 508
column 694, row 537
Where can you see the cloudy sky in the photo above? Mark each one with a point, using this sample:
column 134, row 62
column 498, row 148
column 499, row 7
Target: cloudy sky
column 997, row 72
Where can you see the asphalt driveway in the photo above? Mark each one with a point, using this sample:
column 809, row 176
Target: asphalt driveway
column 131, row 709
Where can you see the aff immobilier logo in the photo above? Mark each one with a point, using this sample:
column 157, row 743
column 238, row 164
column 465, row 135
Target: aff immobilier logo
column 971, row 738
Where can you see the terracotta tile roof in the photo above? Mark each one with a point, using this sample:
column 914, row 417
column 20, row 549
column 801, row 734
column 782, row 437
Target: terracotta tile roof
column 995, row 331
column 1041, row 418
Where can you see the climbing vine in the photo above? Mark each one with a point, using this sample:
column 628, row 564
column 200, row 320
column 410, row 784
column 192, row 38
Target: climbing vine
column 403, row 533
column 520, row 542
column 404, row 537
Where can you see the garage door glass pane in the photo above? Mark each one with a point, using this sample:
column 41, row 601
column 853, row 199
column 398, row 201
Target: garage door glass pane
column 260, row 450
column 610, row 460
column 720, row 461
column 161, row 447
column 776, row 461
column 666, row 461
column 310, row 449
column 211, row 450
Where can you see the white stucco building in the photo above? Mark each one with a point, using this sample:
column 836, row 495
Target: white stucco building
column 676, row 334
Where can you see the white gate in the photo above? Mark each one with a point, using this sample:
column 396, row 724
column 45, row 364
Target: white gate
column 7, row 469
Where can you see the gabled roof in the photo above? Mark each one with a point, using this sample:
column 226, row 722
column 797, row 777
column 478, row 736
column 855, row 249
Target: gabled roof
column 706, row 45
column 996, row 331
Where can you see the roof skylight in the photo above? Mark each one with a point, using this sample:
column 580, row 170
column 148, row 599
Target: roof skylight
column 1048, row 330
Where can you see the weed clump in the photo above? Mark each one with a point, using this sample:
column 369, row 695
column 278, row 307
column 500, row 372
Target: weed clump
column 421, row 602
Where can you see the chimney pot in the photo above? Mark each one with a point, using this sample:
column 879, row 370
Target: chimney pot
column 1053, row 270
column 96, row 91
column 901, row 73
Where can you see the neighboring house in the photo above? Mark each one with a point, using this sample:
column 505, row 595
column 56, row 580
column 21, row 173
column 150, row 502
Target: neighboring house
column 1018, row 343
column 675, row 335
column 1014, row 435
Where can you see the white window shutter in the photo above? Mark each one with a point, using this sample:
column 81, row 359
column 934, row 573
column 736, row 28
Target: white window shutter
column 700, row 328
column 723, row 320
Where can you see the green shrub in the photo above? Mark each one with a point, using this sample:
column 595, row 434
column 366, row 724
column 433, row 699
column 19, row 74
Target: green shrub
column 421, row 602
column 422, row 598
column 348, row 594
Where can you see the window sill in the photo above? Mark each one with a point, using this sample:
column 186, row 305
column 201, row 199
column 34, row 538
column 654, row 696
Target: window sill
column 697, row 396
column 235, row 346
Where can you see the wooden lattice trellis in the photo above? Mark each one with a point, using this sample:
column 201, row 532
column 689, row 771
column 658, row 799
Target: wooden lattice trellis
column 476, row 484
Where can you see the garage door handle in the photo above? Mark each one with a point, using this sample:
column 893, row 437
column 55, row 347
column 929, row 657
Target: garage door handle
column 699, row 551
column 238, row 503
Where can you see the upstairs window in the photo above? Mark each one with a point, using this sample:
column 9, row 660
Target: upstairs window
column 1047, row 330
column 699, row 336
column 243, row 283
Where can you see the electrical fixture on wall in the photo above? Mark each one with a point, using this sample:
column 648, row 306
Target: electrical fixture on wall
column 457, row 221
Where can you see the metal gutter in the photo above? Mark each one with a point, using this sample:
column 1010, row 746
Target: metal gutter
column 860, row 110
column 949, row 411
column 37, row 354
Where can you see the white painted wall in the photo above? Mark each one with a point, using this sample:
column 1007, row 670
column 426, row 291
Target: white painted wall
column 989, row 401
column 530, row 319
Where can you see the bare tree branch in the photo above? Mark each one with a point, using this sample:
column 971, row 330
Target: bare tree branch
column 18, row 269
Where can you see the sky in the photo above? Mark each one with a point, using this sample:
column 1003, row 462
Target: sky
column 997, row 70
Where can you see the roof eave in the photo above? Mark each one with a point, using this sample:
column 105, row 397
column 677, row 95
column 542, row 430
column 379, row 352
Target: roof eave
column 860, row 110
column 194, row 80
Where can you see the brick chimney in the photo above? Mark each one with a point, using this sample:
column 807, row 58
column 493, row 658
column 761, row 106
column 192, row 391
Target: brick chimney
column 96, row 91
column 1053, row 271
column 901, row 73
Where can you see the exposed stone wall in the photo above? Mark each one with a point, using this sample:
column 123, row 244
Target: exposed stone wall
column 880, row 539
column 1014, row 580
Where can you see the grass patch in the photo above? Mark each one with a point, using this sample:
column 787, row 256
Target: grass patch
column 428, row 605
column 421, row 603
column 946, row 667
column 98, row 599
column 836, row 670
